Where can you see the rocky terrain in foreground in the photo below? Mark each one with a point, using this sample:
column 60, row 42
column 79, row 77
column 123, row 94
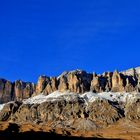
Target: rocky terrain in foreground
column 76, row 103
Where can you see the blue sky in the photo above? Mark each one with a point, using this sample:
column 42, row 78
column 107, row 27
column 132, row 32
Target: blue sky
column 50, row 36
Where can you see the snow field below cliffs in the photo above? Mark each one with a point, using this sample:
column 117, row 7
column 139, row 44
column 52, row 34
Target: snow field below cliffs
column 87, row 97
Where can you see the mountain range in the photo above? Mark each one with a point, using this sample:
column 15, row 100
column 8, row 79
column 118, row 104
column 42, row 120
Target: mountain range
column 76, row 103
column 76, row 81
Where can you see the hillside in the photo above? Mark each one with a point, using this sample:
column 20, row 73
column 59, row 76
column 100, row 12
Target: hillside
column 76, row 103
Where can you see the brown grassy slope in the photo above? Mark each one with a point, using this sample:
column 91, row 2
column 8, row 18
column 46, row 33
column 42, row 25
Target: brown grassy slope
column 123, row 129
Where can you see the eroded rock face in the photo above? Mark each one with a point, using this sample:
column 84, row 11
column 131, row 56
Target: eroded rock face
column 41, row 84
column 23, row 90
column 132, row 110
column 6, row 91
column 18, row 90
column 129, row 85
column 79, row 81
column 2, row 91
column 28, row 90
column 137, row 86
column 61, row 113
column 22, row 114
column 51, row 86
column 8, row 110
column 95, row 84
column 63, row 84
column 117, row 82
column 75, row 81
column 101, row 83
column 104, row 112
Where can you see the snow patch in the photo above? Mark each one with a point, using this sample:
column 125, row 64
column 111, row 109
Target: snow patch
column 87, row 97
column 111, row 96
column 1, row 106
column 90, row 96
column 51, row 97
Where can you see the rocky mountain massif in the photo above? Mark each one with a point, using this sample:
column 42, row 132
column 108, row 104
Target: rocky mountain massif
column 74, row 81
column 74, row 103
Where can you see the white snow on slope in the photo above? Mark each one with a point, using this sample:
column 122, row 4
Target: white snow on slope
column 53, row 96
column 88, row 97
column 1, row 106
column 115, row 97
column 131, row 71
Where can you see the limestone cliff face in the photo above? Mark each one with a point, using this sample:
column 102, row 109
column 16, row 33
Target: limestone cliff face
column 5, row 90
column 76, row 81
column 79, row 81
column 95, row 84
column 41, row 84
column 117, row 82
column 17, row 90
column 22, row 90
column 63, row 84
column 51, row 85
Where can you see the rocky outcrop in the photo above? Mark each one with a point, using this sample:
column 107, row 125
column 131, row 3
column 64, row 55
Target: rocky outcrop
column 28, row 90
column 51, row 86
column 46, row 85
column 63, row 84
column 117, row 82
column 130, row 87
column 22, row 90
column 41, row 84
column 5, row 90
column 18, row 90
column 8, row 110
column 76, row 81
column 132, row 109
column 101, row 83
column 79, row 81
column 61, row 113
column 95, row 84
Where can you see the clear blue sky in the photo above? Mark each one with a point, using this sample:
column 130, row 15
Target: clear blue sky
column 50, row 36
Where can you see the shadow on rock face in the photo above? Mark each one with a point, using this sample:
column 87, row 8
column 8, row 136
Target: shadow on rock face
column 12, row 132
column 12, row 129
